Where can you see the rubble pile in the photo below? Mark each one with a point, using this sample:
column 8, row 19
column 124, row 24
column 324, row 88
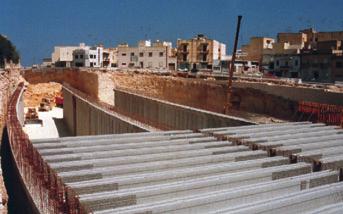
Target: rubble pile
column 36, row 92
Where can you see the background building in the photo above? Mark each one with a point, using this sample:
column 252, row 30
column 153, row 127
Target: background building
column 324, row 64
column 156, row 55
column 63, row 55
column 199, row 52
column 88, row 57
column 255, row 49
column 110, row 57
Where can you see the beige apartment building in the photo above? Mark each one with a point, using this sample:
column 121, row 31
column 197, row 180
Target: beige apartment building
column 110, row 57
column 63, row 55
column 292, row 38
column 256, row 47
column 156, row 55
column 199, row 52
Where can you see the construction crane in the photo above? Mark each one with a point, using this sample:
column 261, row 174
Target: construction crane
column 229, row 97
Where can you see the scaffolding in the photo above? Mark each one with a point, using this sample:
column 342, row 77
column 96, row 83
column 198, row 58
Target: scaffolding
column 319, row 112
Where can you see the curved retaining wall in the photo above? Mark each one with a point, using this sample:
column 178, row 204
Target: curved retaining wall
column 46, row 189
column 172, row 115
column 86, row 116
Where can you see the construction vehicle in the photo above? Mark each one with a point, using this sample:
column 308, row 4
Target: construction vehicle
column 45, row 105
column 31, row 117
column 59, row 101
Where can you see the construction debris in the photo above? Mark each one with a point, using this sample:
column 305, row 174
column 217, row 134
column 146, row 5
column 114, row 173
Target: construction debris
column 36, row 92
column 31, row 116
column 45, row 105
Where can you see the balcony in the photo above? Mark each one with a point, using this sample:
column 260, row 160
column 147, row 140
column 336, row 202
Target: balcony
column 202, row 51
column 184, row 51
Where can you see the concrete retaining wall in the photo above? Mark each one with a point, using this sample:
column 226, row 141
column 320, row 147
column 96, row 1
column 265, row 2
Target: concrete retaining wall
column 85, row 118
column 295, row 93
column 171, row 115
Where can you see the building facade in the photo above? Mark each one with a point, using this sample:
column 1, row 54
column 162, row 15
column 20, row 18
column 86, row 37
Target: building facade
column 199, row 53
column 63, row 55
column 88, row 57
column 156, row 55
column 324, row 64
column 110, row 57
column 287, row 65
column 256, row 47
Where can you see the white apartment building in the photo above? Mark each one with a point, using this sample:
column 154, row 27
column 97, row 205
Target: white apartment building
column 88, row 57
column 63, row 55
column 156, row 55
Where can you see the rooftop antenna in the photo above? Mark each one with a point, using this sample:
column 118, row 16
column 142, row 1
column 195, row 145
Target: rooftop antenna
column 229, row 99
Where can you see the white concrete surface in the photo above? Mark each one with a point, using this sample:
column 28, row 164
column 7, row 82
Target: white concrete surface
column 49, row 129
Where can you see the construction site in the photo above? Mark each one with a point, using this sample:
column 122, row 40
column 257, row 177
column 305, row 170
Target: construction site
column 94, row 141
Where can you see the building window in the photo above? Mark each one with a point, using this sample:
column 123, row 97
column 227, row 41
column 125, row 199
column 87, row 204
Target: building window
column 339, row 65
column 296, row 62
column 123, row 54
column 81, row 56
column 123, row 63
column 141, row 54
column 132, row 54
column 94, row 63
column 91, row 56
column 76, row 56
column 150, row 54
column 277, row 62
column 161, row 54
column 91, row 64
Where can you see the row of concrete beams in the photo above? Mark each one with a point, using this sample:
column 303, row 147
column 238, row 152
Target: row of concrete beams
column 128, row 149
column 109, row 141
column 308, row 200
column 97, row 164
column 177, row 171
column 116, row 167
column 314, row 143
column 279, row 135
column 193, row 157
column 287, row 135
column 198, row 186
column 251, row 127
column 328, row 209
column 111, row 136
column 224, row 198
column 119, row 182
column 275, row 131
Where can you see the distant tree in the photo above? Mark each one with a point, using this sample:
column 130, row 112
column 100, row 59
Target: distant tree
column 8, row 51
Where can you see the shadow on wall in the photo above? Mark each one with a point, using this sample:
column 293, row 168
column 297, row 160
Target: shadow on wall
column 61, row 127
column 19, row 200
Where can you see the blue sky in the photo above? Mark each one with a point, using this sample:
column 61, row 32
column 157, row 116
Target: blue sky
column 36, row 26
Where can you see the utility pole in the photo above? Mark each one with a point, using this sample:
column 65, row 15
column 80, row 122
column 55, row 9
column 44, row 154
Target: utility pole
column 232, row 67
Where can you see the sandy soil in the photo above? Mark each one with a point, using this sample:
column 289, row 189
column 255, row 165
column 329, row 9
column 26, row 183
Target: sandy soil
column 35, row 92
column 148, row 85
